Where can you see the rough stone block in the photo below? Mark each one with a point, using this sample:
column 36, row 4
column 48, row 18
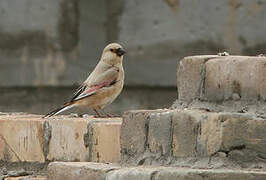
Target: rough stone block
column 233, row 76
column 66, row 140
column 185, row 126
column 227, row 132
column 217, row 78
column 209, row 137
column 160, row 133
column 190, row 77
column 240, row 132
column 21, row 138
column 262, row 77
column 78, row 170
column 106, row 141
column 134, row 132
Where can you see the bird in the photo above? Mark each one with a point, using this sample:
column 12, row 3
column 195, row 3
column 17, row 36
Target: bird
column 103, row 85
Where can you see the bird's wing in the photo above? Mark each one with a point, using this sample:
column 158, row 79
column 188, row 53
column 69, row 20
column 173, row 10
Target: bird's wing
column 102, row 74
column 104, row 79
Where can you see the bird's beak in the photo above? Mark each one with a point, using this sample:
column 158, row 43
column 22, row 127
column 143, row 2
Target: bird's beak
column 120, row 52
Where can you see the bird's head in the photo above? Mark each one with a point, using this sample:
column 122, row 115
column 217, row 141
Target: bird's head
column 113, row 54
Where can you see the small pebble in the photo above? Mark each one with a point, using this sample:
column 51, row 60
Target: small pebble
column 235, row 96
column 85, row 115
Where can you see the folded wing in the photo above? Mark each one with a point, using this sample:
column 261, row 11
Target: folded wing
column 106, row 79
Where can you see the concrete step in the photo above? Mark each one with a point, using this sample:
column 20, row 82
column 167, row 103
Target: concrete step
column 100, row 171
column 30, row 138
column 193, row 138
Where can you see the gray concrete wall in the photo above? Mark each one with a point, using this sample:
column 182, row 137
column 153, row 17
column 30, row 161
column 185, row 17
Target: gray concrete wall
column 58, row 42
column 38, row 42
column 160, row 32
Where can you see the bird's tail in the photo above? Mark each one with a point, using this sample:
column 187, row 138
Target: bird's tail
column 59, row 110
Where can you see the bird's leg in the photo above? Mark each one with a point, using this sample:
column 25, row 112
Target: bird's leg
column 105, row 114
column 109, row 115
column 98, row 114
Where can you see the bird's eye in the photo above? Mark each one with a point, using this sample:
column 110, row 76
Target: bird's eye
column 112, row 50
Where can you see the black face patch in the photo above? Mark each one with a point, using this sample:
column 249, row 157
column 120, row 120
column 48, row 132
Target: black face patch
column 120, row 51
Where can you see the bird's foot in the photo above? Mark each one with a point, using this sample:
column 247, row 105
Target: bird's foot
column 113, row 115
column 110, row 115
column 106, row 116
column 98, row 116
column 103, row 116
column 223, row 54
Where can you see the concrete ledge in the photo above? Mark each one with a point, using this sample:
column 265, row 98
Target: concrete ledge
column 71, row 171
column 158, row 173
column 187, row 137
column 78, row 170
column 29, row 138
